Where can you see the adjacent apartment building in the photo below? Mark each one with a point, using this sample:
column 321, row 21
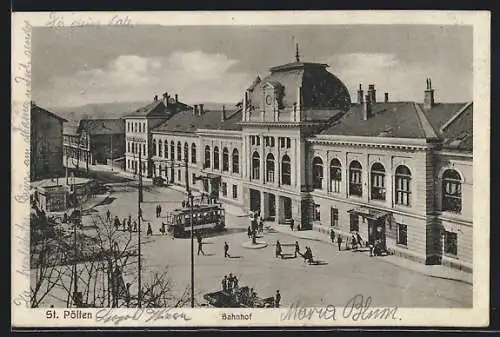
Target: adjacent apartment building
column 297, row 147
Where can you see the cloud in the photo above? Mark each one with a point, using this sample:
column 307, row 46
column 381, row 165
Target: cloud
column 196, row 76
column 402, row 80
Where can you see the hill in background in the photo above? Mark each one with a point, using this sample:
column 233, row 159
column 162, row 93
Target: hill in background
column 114, row 110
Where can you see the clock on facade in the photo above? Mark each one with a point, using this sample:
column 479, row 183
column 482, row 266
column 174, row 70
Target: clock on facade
column 269, row 99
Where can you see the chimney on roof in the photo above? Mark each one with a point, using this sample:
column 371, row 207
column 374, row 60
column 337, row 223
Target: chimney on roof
column 386, row 97
column 372, row 93
column 360, row 94
column 195, row 110
column 201, row 109
column 429, row 95
column 367, row 108
column 223, row 114
column 156, row 98
column 176, row 98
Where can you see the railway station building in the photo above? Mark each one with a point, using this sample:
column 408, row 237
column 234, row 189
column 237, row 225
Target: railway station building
column 297, row 146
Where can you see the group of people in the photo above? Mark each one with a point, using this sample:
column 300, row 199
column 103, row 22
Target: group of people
column 307, row 255
column 230, row 283
column 355, row 241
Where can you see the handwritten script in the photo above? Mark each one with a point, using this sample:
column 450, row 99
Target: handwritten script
column 357, row 308
column 21, row 132
column 142, row 315
column 56, row 20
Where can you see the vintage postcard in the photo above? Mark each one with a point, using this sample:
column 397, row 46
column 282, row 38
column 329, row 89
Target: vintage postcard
column 256, row 169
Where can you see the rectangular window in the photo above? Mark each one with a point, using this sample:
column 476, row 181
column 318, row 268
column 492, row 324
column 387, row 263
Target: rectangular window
column 235, row 192
column 354, row 223
column 355, row 186
column 252, row 140
column 450, row 243
column 402, row 190
column 402, row 234
column 257, row 142
column 317, row 213
column 144, row 149
column 334, row 217
column 224, row 189
column 272, row 141
column 288, row 143
column 193, row 179
column 179, row 175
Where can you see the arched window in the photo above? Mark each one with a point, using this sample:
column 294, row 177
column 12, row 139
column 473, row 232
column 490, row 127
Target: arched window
column 402, row 185
column 236, row 161
column 286, row 170
column 160, row 148
column 355, row 181
column 216, row 158
column 452, row 191
column 179, row 151
column 172, row 150
column 225, row 159
column 154, row 147
column 165, row 150
column 255, row 166
column 186, row 152
column 335, row 175
column 377, row 176
column 270, row 168
column 317, row 173
column 193, row 153
column 207, row 156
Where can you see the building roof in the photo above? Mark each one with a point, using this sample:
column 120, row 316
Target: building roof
column 451, row 122
column 70, row 128
column 102, row 126
column 157, row 108
column 36, row 110
column 320, row 88
column 187, row 121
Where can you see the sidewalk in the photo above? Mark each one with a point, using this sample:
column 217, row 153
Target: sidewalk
column 437, row 271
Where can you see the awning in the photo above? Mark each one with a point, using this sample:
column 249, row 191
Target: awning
column 368, row 213
column 208, row 175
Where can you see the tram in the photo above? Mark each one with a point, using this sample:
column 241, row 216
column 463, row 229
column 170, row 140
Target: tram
column 206, row 218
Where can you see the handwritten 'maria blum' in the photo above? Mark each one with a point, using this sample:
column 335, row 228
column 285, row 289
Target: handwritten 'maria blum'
column 296, row 312
column 357, row 308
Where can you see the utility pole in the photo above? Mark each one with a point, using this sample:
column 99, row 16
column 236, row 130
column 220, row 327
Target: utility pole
column 111, row 150
column 190, row 200
column 139, row 213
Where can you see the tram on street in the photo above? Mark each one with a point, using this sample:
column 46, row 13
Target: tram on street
column 206, row 218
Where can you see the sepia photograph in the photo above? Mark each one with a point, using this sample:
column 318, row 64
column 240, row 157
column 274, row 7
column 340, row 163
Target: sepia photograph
column 236, row 167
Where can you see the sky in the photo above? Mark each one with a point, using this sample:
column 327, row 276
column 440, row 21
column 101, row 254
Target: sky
column 75, row 66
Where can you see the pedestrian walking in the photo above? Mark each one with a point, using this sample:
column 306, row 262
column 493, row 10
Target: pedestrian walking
column 292, row 223
column 108, row 215
column 117, row 223
column 339, row 242
column 140, row 214
column 226, row 249
column 224, row 283
column 200, row 245
column 332, row 236
column 159, row 210
column 297, row 248
column 249, row 232
column 149, row 231
column 354, row 242
column 359, row 239
column 124, row 224
column 135, row 226
column 261, row 226
column 277, row 299
column 278, row 249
